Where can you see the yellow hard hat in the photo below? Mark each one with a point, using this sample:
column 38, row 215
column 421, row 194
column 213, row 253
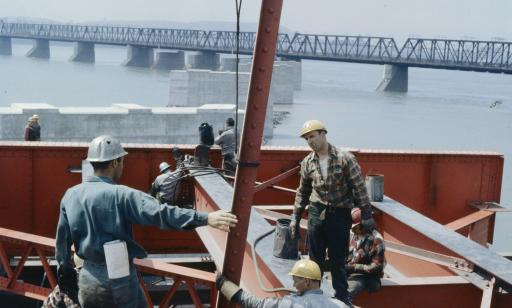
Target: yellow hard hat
column 312, row 125
column 306, row 269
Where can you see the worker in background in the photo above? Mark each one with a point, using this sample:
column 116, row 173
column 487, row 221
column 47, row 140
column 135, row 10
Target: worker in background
column 226, row 141
column 365, row 261
column 306, row 277
column 166, row 185
column 33, row 129
column 99, row 211
column 331, row 184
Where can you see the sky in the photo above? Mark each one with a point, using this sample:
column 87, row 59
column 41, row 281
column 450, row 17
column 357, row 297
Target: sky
column 477, row 19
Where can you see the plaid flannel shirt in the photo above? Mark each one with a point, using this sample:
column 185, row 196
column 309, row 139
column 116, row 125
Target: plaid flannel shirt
column 366, row 254
column 343, row 187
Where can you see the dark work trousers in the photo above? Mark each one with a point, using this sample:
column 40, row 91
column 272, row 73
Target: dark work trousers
column 331, row 233
column 229, row 162
column 96, row 290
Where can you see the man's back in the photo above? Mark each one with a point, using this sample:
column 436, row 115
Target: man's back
column 166, row 185
column 226, row 141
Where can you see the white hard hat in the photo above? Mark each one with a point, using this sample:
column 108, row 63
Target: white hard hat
column 105, row 148
column 164, row 166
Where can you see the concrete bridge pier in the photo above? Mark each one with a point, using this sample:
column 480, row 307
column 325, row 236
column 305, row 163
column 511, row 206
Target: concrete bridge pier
column 40, row 49
column 140, row 56
column 84, row 52
column 204, row 60
column 170, row 60
column 395, row 78
column 5, row 46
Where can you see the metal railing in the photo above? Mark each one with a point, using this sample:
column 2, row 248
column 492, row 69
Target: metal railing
column 12, row 242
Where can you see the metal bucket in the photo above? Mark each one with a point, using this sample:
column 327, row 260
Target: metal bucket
column 375, row 187
column 284, row 246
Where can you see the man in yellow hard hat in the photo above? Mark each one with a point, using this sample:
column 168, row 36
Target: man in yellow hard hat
column 331, row 184
column 306, row 277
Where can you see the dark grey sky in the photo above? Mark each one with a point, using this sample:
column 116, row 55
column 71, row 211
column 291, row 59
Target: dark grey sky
column 483, row 19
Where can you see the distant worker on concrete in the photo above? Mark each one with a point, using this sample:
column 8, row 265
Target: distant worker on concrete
column 365, row 261
column 306, row 279
column 166, row 185
column 96, row 217
column 33, row 129
column 226, row 141
column 331, row 184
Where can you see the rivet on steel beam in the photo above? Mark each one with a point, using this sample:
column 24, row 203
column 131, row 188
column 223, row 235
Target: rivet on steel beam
column 265, row 49
column 253, row 126
column 235, row 252
column 243, row 198
column 270, row 10
column 232, row 269
column 259, row 88
column 261, row 69
column 237, row 234
column 267, row 30
column 245, row 181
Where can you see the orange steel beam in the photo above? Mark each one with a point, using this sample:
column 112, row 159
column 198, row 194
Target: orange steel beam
column 254, row 121
column 44, row 245
column 468, row 220
column 276, row 179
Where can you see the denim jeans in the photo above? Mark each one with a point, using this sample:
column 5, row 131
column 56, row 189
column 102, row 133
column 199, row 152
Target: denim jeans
column 360, row 282
column 332, row 234
column 95, row 289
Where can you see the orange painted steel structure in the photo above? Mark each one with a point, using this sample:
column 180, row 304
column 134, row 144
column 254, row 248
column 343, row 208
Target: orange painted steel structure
column 252, row 133
column 439, row 185
column 45, row 248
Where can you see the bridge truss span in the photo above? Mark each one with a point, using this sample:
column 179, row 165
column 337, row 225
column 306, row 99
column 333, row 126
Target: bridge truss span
column 484, row 56
column 357, row 48
column 481, row 56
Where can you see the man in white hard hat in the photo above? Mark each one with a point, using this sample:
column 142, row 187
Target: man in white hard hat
column 331, row 184
column 166, row 184
column 99, row 211
column 33, row 129
column 306, row 277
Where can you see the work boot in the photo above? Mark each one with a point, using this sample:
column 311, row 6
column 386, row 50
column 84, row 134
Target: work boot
column 347, row 301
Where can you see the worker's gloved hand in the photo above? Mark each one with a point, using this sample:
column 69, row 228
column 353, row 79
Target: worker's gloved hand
column 230, row 290
column 294, row 227
column 368, row 224
column 222, row 220
column 68, row 281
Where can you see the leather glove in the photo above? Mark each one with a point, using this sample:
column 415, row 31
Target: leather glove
column 294, row 227
column 368, row 224
column 67, row 280
column 219, row 280
column 230, row 290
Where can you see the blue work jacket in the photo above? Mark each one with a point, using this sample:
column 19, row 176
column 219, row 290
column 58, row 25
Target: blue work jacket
column 99, row 210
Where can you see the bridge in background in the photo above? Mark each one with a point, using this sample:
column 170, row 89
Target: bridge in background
column 479, row 56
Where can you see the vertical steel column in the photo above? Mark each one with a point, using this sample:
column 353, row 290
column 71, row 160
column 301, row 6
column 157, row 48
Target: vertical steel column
column 259, row 88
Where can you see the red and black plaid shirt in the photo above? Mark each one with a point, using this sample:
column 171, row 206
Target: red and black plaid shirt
column 366, row 254
column 343, row 187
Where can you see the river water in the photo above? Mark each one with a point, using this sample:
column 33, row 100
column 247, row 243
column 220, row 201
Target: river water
column 443, row 110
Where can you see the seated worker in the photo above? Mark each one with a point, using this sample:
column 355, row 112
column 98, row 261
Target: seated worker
column 306, row 277
column 166, row 185
column 226, row 141
column 365, row 260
